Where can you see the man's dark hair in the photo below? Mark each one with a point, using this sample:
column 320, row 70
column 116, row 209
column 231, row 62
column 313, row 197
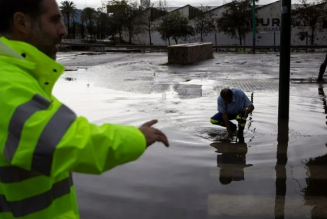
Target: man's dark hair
column 9, row 7
column 225, row 180
column 225, row 92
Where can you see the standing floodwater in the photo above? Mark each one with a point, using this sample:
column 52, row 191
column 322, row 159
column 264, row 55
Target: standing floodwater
column 278, row 172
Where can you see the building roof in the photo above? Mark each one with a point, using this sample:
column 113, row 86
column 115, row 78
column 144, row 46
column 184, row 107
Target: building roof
column 263, row 6
column 172, row 9
column 221, row 6
column 181, row 8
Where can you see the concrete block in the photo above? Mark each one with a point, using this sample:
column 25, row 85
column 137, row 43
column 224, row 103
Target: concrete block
column 186, row 54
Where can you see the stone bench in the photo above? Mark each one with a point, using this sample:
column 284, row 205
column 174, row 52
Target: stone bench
column 186, row 54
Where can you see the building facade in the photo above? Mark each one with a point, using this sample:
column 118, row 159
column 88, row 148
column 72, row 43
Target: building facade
column 268, row 29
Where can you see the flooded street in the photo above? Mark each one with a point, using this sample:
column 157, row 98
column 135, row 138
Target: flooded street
column 197, row 178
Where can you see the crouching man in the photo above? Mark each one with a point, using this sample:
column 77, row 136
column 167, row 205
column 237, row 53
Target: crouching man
column 232, row 104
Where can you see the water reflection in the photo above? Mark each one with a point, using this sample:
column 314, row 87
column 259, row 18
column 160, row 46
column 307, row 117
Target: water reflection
column 188, row 91
column 315, row 192
column 280, row 168
column 250, row 120
column 231, row 160
column 322, row 95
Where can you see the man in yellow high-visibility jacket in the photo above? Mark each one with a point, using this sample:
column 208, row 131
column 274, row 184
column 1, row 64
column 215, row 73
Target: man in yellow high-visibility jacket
column 41, row 140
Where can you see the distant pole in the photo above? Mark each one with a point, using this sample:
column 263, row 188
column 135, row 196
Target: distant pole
column 285, row 59
column 307, row 40
column 216, row 30
column 216, row 41
column 274, row 41
column 253, row 26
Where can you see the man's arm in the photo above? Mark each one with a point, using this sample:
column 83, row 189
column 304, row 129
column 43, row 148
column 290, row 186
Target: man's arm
column 248, row 105
column 249, row 110
column 226, row 121
column 222, row 109
column 48, row 138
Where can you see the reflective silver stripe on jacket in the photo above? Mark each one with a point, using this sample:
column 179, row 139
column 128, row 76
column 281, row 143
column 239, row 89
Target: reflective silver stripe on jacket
column 13, row 174
column 50, row 138
column 36, row 203
column 18, row 119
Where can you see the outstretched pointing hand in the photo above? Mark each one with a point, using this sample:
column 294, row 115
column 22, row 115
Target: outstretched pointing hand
column 153, row 135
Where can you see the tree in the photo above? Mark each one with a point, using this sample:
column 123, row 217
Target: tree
column 181, row 29
column 80, row 29
column 148, row 17
column 118, row 14
column 236, row 20
column 139, row 28
column 309, row 15
column 204, row 22
column 146, row 21
column 163, row 27
column 131, row 23
column 175, row 26
column 68, row 10
column 124, row 15
column 88, row 16
column 101, row 23
column 112, row 28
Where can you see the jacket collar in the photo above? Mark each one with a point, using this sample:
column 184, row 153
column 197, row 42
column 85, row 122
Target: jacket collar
column 234, row 99
column 44, row 69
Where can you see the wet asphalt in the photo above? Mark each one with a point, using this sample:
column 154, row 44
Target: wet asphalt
column 198, row 177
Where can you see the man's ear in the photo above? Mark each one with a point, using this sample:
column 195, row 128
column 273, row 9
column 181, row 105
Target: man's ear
column 22, row 23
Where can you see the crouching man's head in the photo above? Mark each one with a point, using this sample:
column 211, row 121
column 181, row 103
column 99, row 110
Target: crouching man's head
column 227, row 95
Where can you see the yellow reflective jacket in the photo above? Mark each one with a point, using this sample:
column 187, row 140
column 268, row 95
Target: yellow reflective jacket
column 42, row 140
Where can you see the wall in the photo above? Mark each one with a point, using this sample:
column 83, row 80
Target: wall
column 268, row 30
column 268, row 26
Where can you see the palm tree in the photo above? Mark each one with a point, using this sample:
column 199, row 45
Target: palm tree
column 88, row 16
column 101, row 23
column 68, row 10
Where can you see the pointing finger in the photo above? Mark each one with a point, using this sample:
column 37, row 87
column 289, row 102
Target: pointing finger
column 151, row 123
column 158, row 132
column 163, row 139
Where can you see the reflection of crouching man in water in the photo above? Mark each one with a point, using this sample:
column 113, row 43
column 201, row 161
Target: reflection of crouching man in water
column 232, row 104
column 231, row 167
column 232, row 161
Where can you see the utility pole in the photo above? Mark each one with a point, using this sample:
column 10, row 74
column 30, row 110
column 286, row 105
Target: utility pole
column 280, row 168
column 253, row 27
column 285, row 59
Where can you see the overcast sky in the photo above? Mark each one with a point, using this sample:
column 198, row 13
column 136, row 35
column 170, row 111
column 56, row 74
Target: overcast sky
column 172, row 3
